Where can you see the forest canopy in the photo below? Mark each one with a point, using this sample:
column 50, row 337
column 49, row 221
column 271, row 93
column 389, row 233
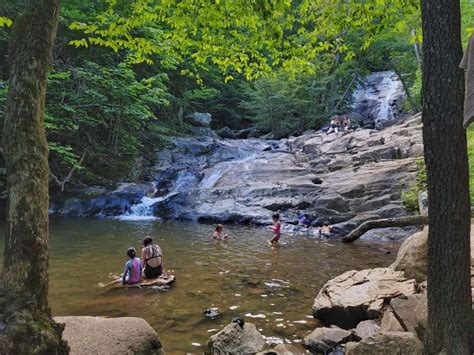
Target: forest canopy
column 125, row 74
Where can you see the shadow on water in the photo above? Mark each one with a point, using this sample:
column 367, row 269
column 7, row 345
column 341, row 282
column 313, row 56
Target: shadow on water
column 272, row 288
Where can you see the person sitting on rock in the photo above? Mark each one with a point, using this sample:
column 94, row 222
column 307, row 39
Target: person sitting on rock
column 346, row 123
column 217, row 235
column 132, row 273
column 276, row 228
column 152, row 257
column 325, row 230
column 334, row 125
column 304, row 221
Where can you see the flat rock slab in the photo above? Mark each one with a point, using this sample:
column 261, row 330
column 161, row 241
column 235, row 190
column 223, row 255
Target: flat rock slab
column 359, row 295
column 99, row 335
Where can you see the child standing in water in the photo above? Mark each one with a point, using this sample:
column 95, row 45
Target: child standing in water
column 276, row 228
column 132, row 273
column 325, row 230
column 217, row 235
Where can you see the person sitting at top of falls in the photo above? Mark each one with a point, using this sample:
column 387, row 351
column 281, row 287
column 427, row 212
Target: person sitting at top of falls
column 304, row 221
column 217, row 235
column 334, row 125
column 346, row 123
column 132, row 273
column 152, row 257
column 276, row 228
column 325, row 230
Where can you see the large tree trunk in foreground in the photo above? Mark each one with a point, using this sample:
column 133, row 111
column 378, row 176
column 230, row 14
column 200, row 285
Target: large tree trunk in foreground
column 385, row 223
column 24, row 284
column 444, row 138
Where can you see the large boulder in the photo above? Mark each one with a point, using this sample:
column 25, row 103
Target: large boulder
column 199, row 119
column 390, row 322
column 359, row 295
column 323, row 340
column 236, row 339
column 408, row 314
column 367, row 328
column 98, row 335
column 393, row 343
column 412, row 256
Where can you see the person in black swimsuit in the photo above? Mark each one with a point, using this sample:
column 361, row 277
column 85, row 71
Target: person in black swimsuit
column 152, row 257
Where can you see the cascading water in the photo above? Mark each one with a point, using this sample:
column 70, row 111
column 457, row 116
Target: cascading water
column 379, row 100
column 143, row 211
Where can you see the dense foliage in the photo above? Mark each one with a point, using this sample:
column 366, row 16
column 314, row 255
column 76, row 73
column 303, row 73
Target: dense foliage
column 127, row 73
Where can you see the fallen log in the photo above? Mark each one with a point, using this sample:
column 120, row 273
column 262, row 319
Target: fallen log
column 418, row 220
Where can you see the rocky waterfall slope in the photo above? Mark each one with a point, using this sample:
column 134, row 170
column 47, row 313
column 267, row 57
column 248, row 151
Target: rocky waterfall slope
column 346, row 179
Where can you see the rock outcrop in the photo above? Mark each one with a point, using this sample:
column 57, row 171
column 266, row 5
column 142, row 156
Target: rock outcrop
column 379, row 100
column 412, row 256
column 367, row 328
column 359, row 295
column 283, row 349
column 323, row 340
column 386, row 343
column 199, row 119
column 386, row 306
column 98, row 335
column 236, row 339
column 407, row 314
column 345, row 179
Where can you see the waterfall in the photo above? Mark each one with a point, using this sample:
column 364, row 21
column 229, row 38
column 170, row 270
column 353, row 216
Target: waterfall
column 143, row 211
column 379, row 100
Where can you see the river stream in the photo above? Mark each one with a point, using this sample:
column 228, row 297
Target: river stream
column 244, row 276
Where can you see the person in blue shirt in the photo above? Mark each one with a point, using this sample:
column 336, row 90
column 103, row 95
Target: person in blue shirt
column 304, row 220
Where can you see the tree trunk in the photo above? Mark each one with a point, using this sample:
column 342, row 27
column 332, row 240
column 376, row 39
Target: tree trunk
column 449, row 292
column 418, row 220
column 24, row 284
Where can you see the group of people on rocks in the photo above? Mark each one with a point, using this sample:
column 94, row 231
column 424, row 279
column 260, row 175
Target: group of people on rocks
column 338, row 123
column 150, row 265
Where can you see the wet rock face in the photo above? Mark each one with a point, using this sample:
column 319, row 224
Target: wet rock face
column 344, row 179
column 236, row 339
column 379, row 99
column 359, row 295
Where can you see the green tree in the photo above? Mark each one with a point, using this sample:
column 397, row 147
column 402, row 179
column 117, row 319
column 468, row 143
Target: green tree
column 24, row 279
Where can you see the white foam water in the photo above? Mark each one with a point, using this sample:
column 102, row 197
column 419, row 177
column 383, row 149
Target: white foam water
column 143, row 211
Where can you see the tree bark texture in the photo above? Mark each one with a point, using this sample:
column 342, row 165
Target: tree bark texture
column 24, row 284
column 418, row 220
column 444, row 138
